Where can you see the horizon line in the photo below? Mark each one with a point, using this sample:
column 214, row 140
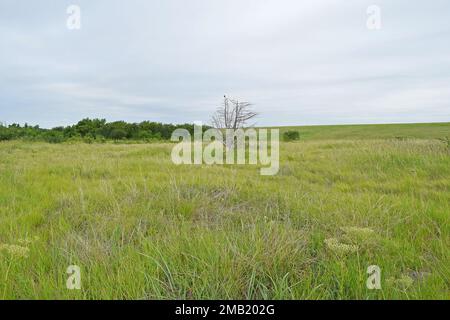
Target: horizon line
column 256, row 126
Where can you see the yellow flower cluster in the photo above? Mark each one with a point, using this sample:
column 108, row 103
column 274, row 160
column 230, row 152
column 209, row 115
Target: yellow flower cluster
column 340, row 248
column 27, row 241
column 15, row 250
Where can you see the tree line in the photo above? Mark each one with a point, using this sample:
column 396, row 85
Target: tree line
column 93, row 130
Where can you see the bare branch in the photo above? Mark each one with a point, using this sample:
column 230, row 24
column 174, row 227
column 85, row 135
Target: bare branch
column 233, row 114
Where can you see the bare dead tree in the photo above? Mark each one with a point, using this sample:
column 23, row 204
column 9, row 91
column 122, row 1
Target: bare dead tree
column 232, row 114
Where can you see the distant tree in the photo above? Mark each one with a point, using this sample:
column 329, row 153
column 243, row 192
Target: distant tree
column 118, row 134
column 89, row 127
column 90, row 130
column 232, row 114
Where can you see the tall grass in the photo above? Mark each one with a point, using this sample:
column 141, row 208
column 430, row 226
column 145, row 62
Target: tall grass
column 142, row 228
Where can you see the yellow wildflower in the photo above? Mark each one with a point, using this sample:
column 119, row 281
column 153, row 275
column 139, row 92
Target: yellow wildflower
column 15, row 250
column 340, row 248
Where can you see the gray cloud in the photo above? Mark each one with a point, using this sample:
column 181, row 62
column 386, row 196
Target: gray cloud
column 172, row 60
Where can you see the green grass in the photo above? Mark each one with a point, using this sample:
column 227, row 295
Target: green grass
column 142, row 228
column 374, row 131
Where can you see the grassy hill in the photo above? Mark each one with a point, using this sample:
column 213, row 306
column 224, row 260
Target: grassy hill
column 373, row 131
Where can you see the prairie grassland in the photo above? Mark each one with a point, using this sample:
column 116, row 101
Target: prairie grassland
column 141, row 227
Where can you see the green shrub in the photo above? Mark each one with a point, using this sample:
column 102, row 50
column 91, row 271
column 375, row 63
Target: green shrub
column 291, row 135
column 53, row 137
column 88, row 139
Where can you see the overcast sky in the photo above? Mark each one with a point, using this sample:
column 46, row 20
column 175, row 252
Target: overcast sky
column 299, row 62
